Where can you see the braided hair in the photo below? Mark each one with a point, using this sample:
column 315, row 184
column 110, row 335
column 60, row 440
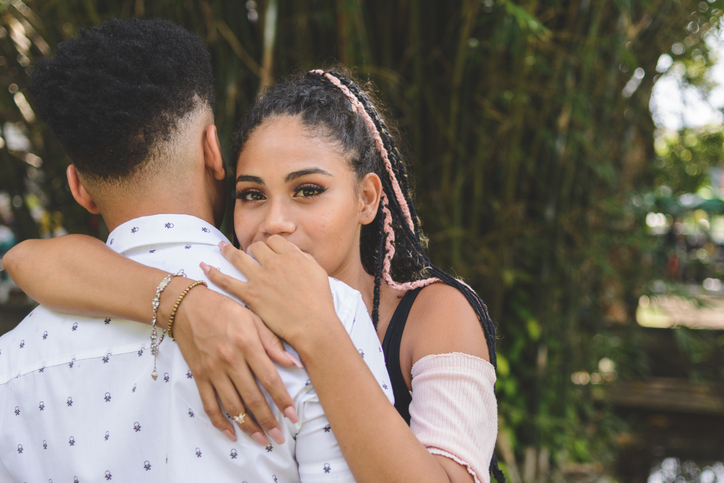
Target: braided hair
column 391, row 248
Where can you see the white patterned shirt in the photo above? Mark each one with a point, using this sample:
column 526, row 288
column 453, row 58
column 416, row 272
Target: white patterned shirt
column 78, row 403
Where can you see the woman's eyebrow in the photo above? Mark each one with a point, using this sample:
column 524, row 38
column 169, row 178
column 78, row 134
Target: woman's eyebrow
column 303, row 172
column 250, row 179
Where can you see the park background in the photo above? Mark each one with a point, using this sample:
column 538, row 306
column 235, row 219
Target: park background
column 591, row 227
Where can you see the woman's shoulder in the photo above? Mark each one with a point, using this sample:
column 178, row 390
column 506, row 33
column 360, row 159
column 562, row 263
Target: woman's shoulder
column 442, row 321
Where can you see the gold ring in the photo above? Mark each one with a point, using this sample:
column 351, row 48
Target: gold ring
column 239, row 419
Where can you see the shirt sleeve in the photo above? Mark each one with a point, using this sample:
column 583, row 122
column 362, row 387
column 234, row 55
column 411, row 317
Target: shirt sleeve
column 454, row 412
column 352, row 312
column 318, row 454
column 364, row 336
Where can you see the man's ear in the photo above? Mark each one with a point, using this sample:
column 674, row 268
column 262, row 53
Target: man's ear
column 370, row 191
column 212, row 153
column 79, row 193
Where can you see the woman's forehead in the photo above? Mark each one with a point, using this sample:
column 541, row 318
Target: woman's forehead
column 284, row 142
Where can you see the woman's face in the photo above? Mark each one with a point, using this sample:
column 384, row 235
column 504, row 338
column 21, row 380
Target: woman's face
column 292, row 183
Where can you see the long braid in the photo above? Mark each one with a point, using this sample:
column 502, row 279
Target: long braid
column 394, row 153
column 373, row 119
column 375, row 131
column 407, row 237
column 379, row 253
column 375, row 125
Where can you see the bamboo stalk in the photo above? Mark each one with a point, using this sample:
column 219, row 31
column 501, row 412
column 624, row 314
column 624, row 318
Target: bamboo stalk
column 238, row 49
column 270, row 35
column 468, row 15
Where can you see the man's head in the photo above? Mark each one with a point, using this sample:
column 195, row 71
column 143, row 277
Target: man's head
column 129, row 101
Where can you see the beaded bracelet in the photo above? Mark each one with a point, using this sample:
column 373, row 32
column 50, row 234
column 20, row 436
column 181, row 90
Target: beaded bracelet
column 178, row 302
column 155, row 341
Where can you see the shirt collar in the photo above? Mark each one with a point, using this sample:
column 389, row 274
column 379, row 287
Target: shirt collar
column 141, row 233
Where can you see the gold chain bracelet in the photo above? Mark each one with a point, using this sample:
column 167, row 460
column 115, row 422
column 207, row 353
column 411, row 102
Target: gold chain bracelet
column 178, row 302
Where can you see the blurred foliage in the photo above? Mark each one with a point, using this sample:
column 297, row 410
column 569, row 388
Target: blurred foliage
column 703, row 349
column 686, row 158
column 528, row 128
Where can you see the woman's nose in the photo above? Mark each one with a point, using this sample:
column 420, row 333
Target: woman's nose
column 278, row 220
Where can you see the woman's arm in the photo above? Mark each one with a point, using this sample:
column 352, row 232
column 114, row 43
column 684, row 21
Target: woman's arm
column 78, row 274
column 225, row 346
column 376, row 442
column 445, row 361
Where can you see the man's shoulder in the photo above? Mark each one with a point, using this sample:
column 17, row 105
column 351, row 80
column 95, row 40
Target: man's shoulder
column 353, row 313
column 46, row 338
column 186, row 256
column 343, row 295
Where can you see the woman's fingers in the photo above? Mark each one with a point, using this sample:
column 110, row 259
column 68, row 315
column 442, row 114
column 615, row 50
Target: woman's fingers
column 242, row 357
column 228, row 284
column 244, row 403
column 268, row 377
column 231, row 285
column 279, row 244
column 219, row 339
column 273, row 289
column 231, row 401
column 258, row 251
column 260, row 365
column 273, row 345
column 246, row 422
column 212, row 409
column 242, row 415
column 255, row 402
column 239, row 258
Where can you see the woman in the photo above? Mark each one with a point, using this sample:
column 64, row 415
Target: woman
column 321, row 190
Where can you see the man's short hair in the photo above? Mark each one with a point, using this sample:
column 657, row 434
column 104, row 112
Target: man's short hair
column 114, row 94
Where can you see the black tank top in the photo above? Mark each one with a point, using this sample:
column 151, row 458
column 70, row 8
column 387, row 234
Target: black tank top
column 391, row 348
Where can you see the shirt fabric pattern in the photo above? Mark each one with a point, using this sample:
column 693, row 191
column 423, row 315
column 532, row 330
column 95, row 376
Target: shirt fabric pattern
column 78, row 403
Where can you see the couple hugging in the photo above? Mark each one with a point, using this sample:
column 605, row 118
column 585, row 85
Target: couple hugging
column 162, row 374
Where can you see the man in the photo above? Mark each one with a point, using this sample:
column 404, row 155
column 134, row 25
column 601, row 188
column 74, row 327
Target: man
column 132, row 105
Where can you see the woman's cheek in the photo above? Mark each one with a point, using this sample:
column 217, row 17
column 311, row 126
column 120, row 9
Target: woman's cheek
column 243, row 234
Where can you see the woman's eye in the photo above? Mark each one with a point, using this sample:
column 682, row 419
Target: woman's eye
column 249, row 195
column 309, row 191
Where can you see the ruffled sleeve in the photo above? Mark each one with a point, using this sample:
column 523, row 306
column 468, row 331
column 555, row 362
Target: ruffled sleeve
column 454, row 412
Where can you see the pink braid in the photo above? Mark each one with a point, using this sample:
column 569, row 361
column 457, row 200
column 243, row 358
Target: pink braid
column 378, row 141
column 390, row 252
column 389, row 231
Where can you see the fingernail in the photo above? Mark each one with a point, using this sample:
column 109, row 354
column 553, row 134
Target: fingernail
column 291, row 414
column 229, row 435
column 260, row 438
column 276, row 435
column 222, row 245
column 296, row 361
column 205, row 268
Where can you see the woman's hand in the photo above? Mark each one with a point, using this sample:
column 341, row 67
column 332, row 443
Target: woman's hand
column 284, row 284
column 225, row 346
